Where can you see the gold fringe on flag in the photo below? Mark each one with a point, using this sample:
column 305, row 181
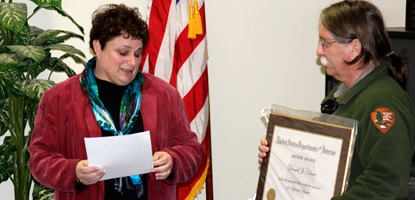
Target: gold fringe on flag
column 197, row 188
column 192, row 23
column 198, row 20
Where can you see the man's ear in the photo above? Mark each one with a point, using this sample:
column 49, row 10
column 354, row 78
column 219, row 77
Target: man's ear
column 97, row 47
column 355, row 47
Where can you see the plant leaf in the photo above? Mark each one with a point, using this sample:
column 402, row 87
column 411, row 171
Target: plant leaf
column 61, row 12
column 31, row 108
column 8, row 61
column 35, row 32
column 1, row 39
column 23, row 37
column 41, row 192
column 3, row 89
column 6, row 159
column 33, row 88
column 56, row 3
column 48, row 37
column 13, row 16
column 57, row 65
column 3, row 49
column 41, row 37
column 66, row 48
column 8, row 77
column 4, row 117
column 69, row 34
column 4, row 106
column 44, row 36
column 75, row 58
column 37, row 53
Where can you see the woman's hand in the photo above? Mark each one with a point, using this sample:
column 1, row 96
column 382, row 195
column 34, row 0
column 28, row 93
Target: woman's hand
column 86, row 174
column 163, row 165
column 263, row 149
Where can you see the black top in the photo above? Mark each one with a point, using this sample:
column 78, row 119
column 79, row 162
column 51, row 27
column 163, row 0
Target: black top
column 111, row 95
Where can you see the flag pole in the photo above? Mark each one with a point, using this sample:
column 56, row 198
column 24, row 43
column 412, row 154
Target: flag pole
column 209, row 180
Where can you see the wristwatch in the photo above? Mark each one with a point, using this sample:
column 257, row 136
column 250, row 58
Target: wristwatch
column 79, row 185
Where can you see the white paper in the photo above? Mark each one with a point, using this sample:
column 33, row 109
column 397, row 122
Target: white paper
column 304, row 165
column 121, row 156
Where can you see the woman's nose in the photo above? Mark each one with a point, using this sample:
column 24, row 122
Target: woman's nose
column 132, row 60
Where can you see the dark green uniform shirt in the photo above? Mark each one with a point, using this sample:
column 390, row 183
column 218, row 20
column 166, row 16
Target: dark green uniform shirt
column 384, row 144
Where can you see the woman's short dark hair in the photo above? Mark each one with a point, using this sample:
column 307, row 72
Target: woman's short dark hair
column 112, row 20
column 358, row 19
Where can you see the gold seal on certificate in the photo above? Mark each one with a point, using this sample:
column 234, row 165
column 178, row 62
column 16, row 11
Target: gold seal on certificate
column 271, row 194
column 309, row 158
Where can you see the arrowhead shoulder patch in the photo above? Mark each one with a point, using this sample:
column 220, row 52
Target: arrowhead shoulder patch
column 383, row 119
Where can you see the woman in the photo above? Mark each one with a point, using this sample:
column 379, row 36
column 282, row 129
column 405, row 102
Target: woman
column 112, row 97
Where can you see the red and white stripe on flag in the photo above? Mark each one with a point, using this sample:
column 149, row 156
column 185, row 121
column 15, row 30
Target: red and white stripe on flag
column 172, row 56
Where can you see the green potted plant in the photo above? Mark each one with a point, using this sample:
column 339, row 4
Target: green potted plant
column 25, row 52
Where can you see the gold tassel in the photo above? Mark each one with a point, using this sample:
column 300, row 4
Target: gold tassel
column 197, row 188
column 191, row 28
column 198, row 20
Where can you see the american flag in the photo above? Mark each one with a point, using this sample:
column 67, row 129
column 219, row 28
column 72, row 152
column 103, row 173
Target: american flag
column 182, row 61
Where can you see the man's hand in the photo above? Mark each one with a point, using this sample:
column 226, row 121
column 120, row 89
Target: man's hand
column 263, row 149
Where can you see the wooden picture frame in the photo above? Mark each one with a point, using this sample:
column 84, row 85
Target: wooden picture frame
column 307, row 159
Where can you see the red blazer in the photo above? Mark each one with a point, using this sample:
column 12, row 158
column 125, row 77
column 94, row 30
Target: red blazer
column 64, row 118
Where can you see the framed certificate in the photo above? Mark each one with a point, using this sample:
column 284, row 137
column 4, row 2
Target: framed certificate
column 308, row 159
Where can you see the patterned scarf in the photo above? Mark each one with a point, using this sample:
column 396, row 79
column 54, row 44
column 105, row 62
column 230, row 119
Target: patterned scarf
column 130, row 105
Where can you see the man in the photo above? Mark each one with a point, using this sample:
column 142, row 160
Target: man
column 354, row 42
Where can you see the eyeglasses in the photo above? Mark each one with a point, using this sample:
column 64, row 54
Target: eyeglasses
column 326, row 45
column 330, row 106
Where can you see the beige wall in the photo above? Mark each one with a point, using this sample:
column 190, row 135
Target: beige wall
column 260, row 53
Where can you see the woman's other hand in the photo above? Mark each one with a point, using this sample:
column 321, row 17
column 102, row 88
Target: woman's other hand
column 163, row 165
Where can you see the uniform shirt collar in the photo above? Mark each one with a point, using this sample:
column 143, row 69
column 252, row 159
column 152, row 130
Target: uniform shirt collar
column 343, row 88
column 363, row 81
